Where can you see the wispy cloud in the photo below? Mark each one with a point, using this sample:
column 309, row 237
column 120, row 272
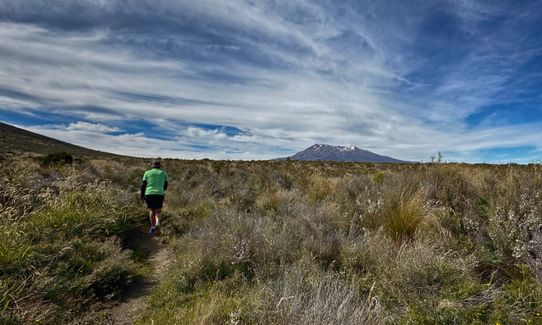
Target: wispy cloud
column 400, row 78
column 91, row 127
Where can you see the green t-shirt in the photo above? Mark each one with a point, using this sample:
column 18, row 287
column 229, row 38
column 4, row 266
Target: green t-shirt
column 156, row 178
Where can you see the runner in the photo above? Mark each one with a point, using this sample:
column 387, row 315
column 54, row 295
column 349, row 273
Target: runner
column 153, row 186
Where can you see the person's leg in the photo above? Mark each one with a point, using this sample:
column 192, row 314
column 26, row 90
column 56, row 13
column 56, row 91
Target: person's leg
column 152, row 217
column 157, row 213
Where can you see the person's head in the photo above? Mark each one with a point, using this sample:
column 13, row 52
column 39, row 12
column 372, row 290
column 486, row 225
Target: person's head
column 156, row 164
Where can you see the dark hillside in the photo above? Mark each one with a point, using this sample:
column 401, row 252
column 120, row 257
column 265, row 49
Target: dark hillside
column 15, row 141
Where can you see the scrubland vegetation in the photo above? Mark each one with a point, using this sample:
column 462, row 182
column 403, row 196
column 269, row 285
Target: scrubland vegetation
column 277, row 242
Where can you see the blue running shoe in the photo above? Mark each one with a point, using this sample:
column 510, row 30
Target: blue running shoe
column 152, row 231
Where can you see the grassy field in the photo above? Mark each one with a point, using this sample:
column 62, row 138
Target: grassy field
column 276, row 242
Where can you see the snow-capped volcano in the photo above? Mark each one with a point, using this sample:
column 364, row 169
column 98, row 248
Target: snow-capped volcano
column 340, row 153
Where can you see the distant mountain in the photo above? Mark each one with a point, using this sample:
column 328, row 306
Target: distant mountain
column 340, row 153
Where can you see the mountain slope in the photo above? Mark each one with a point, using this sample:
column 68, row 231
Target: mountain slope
column 341, row 153
column 14, row 140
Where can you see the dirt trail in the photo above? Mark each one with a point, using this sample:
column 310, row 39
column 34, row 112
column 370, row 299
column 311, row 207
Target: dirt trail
column 159, row 257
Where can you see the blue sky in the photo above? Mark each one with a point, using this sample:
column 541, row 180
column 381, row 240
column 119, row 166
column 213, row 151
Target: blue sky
column 252, row 79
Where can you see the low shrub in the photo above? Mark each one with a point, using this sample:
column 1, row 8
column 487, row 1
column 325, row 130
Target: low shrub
column 57, row 158
column 300, row 296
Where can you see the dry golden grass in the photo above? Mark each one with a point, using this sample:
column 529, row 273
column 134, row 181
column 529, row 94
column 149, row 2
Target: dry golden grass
column 281, row 242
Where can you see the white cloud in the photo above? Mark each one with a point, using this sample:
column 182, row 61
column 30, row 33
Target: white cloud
column 92, row 127
column 344, row 76
column 137, row 144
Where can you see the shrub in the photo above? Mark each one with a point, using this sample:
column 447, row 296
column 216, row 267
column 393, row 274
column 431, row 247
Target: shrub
column 302, row 297
column 378, row 177
column 58, row 158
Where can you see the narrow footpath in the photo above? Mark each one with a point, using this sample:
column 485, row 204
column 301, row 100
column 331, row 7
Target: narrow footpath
column 158, row 257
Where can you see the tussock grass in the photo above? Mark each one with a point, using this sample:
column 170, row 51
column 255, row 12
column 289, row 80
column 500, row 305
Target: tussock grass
column 60, row 251
column 299, row 297
column 402, row 215
column 279, row 242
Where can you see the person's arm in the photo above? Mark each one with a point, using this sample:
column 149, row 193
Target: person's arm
column 143, row 188
column 165, row 182
column 165, row 185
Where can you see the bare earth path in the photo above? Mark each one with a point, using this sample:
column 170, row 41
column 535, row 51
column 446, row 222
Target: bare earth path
column 159, row 258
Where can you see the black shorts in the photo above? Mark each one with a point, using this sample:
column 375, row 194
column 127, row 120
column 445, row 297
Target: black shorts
column 154, row 201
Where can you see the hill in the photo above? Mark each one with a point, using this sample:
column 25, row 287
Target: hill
column 324, row 152
column 16, row 141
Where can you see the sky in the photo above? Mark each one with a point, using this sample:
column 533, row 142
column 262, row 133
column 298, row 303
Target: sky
column 260, row 79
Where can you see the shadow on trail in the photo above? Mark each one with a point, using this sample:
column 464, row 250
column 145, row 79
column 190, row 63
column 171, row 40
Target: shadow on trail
column 141, row 242
column 151, row 251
